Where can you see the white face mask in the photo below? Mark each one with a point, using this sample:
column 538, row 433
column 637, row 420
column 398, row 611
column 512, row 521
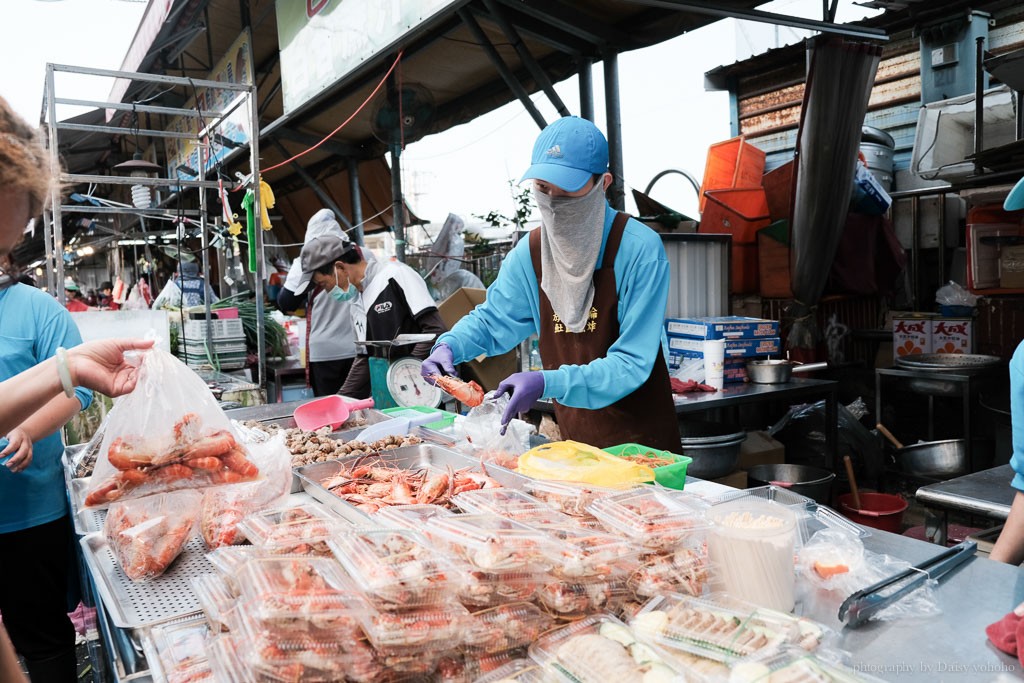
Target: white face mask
column 339, row 294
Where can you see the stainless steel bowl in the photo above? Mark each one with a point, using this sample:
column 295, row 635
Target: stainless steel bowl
column 769, row 371
column 713, row 460
column 939, row 459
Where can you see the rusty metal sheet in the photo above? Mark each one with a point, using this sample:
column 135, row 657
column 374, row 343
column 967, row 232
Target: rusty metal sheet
column 784, row 97
column 903, row 90
column 771, row 121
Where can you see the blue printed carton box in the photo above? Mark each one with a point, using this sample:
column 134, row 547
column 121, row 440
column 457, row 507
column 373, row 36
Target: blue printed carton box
column 735, row 370
column 734, row 348
column 723, row 327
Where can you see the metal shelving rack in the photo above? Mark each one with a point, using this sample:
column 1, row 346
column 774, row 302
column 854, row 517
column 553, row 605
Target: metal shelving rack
column 53, row 235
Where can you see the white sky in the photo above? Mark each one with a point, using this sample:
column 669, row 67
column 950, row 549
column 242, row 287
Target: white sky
column 668, row 118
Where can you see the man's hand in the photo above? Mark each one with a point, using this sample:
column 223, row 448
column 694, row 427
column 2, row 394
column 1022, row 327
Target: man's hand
column 18, row 443
column 101, row 365
column 523, row 388
column 439, row 362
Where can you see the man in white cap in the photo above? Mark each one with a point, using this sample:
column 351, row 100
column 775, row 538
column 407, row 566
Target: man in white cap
column 330, row 336
column 593, row 283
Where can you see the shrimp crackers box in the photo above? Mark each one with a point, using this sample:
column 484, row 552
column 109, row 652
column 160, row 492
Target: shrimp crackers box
column 911, row 333
column 952, row 335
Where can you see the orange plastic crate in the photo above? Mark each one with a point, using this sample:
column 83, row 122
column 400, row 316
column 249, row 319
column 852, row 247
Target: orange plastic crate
column 740, row 213
column 732, row 163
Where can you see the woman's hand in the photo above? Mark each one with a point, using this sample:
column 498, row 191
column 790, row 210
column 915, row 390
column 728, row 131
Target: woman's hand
column 101, row 365
column 20, row 444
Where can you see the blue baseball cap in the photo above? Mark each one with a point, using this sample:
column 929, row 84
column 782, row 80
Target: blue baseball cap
column 1015, row 200
column 567, row 153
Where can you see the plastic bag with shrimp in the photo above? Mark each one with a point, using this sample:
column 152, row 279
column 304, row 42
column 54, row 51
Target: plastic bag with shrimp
column 225, row 506
column 482, row 429
column 167, row 434
column 147, row 534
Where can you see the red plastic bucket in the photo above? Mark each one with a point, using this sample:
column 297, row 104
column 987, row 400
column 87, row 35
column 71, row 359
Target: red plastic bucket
column 878, row 510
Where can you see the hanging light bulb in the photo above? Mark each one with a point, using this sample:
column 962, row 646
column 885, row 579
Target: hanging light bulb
column 138, row 167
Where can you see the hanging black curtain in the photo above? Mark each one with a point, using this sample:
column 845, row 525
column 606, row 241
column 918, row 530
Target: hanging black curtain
column 839, row 81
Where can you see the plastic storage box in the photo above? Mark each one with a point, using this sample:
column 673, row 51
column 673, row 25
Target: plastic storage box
column 414, row 411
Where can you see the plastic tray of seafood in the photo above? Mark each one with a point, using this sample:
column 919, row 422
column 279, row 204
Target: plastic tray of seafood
column 489, row 542
column 488, row 589
column 505, row 627
column 299, row 530
column 396, row 568
column 722, row 628
column 465, row 667
column 217, row 600
column 331, row 482
column 652, row 517
column 550, row 518
column 229, row 559
column 516, row 671
column 682, row 569
column 510, row 503
column 134, row 604
column 578, row 553
column 421, row 630
column 601, row 648
column 572, row 598
column 567, row 497
column 798, row 666
column 177, row 652
column 297, row 578
column 413, row 517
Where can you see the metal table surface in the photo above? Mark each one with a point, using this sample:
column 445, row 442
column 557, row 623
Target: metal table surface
column 268, row 411
column 987, row 493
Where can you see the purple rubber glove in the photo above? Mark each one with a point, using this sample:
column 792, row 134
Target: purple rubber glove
column 439, row 362
column 524, row 389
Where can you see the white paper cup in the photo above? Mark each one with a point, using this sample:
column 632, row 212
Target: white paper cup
column 714, row 362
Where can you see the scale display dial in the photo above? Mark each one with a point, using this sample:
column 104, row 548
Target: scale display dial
column 408, row 387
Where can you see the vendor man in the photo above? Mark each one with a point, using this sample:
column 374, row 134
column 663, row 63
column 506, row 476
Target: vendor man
column 594, row 284
column 390, row 299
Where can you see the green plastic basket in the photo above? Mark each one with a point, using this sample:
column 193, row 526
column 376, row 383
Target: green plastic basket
column 402, row 411
column 670, row 476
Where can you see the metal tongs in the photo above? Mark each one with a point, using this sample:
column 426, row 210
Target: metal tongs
column 865, row 603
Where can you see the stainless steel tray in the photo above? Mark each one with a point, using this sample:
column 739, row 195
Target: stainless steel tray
column 418, row 457
column 84, row 521
column 133, row 604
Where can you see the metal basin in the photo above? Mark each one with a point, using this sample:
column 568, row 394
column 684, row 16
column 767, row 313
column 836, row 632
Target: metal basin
column 813, row 482
column 713, row 460
column 940, row 459
column 930, row 367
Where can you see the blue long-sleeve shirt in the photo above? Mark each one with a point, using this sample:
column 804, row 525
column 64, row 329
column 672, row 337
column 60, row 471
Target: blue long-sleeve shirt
column 511, row 313
column 32, row 326
column 1017, row 416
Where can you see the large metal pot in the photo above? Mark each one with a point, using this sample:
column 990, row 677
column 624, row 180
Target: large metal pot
column 938, row 459
column 813, row 482
column 714, row 447
column 778, row 371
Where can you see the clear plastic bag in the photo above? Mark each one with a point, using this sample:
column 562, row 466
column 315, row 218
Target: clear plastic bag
column 167, row 434
column 147, row 534
column 225, row 506
column 952, row 294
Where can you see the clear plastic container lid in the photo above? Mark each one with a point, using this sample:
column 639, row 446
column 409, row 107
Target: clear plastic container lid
column 794, row 664
column 300, row 530
column 226, row 659
column 489, row 542
column 651, row 517
column 516, row 671
column 510, row 503
column 280, row 586
column 568, row 497
column 505, row 627
column 601, row 648
column 424, row 630
column 571, row 598
column 549, row 517
column 582, row 553
column 217, row 600
column 177, row 651
column 396, row 568
column 487, row 589
column 722, row 628
column 683, row 569
column 457, row 667
column 229, row 560
column 413, row 517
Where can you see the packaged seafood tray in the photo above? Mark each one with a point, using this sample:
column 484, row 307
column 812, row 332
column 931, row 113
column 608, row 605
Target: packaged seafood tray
column 811, row 517
column 164, row 598
column 548, row 518
column 574, row 598
column 567, row 497
column 798, row 666
column 177, row 652
column 229, row 559
column 516, row 671
column 683, row 569
column 601, row 648
column 650, row 516
column 431, row 629
column 584, row 553
column 506, row 627
column 459, row 667
column 491, row 543
column 413, row 517
column 296, row 576
column 722, row 628
column 419, row 458
column 217, row 600
column 510, row 503
column 488, row 589
column 396, row 568
column 299, row 530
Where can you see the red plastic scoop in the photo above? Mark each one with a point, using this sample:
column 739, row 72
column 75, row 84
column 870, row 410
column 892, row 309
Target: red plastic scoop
column 330, row 410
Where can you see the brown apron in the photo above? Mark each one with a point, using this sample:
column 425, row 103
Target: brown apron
column 648, row 415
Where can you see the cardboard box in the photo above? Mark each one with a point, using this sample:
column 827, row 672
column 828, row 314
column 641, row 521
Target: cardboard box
column 723, row 327
column 1011, row 267
column 952, row 335
column 911, row 333
column 760, row 448
column 734, row 372
column 737, row 480
column 734, row 348
column 488, row 372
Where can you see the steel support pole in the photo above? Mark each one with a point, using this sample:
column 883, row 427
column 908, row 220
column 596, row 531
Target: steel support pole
column 979, row 103
column 586, row 78
column 356, row 201
column 51, row 284
column 616, row 192
column 206, row 255
column 254, row 165
column 57, row 224
column 397, row 205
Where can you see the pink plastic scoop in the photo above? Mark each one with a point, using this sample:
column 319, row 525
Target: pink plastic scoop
column 330, row 410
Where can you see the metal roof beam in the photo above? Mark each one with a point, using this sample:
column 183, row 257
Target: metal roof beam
column 569, row 19
column 310, row 181
column 767, row 18
column 544, row 33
